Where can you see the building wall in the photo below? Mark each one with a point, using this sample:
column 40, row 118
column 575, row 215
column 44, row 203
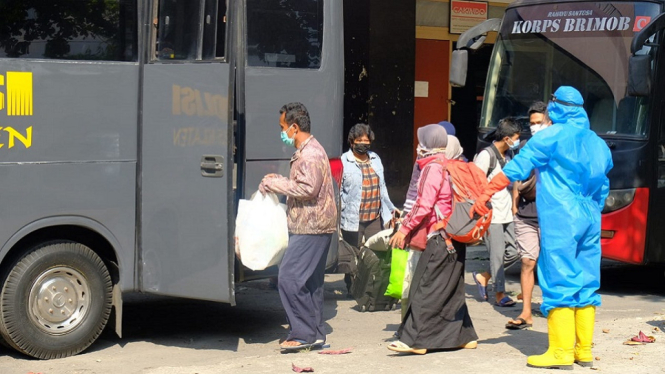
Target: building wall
column 382, row 59
column 463, row 104
column 380, row 38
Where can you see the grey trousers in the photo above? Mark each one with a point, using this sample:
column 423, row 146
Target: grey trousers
column 300, row 284
column 500, row 242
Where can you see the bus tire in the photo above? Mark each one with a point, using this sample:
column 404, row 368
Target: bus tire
column 55, row 300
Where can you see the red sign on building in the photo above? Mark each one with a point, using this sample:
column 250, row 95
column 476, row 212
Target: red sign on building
column 466, row 14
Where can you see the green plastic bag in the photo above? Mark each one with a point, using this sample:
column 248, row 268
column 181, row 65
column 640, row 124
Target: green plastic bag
column 397, row 266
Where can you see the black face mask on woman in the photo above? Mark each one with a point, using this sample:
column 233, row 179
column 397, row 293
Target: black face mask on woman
column 361, row 148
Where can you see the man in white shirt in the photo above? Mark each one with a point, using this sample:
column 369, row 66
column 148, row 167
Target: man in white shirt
column 500, row 237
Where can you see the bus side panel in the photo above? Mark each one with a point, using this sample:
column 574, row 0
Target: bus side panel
column 628, row 230
column 68, row 148
column 624, row 236
column 184, row 219
column 72, row 194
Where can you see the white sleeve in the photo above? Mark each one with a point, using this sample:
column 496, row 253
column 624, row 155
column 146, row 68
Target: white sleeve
column 482, row 160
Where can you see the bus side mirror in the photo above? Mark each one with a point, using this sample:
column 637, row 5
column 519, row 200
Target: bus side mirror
column 458, row 68
column 639, row 75
column 639, row 67
column 472, row 39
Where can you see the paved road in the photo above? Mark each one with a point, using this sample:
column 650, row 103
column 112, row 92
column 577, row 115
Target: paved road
column 164, row 336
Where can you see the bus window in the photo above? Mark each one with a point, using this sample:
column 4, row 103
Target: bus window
column 214, row 29
column 285, row 33
column 69, row 30
column 178, row 27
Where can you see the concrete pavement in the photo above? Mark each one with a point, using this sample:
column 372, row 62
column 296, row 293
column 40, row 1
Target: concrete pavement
column 164, row 336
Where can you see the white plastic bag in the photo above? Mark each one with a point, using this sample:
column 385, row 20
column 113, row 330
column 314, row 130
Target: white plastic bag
column 261, row 235
column 379, row 242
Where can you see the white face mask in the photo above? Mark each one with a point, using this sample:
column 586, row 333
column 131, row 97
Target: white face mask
column 536, row 128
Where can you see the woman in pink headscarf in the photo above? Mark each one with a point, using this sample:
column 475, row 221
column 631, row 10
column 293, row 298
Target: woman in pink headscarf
column 437, row 316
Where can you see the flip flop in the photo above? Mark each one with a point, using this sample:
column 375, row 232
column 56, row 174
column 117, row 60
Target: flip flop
column 518, row 326
column 505, row 302
column 400, row 347
column 320, row 344
column 482, row 290
column 303, row 345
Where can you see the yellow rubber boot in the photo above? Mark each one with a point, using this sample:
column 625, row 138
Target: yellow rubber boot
column 561, row 334
column 585, row 319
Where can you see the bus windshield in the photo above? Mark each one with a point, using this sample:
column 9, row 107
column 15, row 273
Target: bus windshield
column 584, row 45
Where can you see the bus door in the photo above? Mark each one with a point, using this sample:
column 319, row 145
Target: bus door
column 294, row 51
column 185, row 153
column 655, row 249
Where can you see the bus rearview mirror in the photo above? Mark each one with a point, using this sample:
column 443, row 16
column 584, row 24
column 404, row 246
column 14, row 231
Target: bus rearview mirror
column 639, row 75
column 458, row 67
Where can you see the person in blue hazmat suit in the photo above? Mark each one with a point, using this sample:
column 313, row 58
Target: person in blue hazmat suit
column 571, row 164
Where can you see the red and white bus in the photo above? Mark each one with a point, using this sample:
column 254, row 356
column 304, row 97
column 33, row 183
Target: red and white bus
column 611, row 51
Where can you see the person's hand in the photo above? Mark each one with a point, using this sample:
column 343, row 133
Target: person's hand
column 397, row 240
column 480, row 207
column 515, row 210
column 263, row 186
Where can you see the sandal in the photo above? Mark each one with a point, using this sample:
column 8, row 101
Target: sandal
column 302, row 345
column 518, row 326
column 482, row 290
column 400, row 347
column 505, row 302
column 470, row 345
column 320, row 344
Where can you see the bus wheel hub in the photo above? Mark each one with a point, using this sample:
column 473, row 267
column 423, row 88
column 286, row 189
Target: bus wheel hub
column 59, row 300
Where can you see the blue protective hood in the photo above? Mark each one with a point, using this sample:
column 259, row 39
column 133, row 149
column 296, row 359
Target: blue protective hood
column 573, row 114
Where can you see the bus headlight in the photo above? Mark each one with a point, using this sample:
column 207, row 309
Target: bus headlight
column 618, row 199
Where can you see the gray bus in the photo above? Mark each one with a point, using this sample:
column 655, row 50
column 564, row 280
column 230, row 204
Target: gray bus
column 128, row 131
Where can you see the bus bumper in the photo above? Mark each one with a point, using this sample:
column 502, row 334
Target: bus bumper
column 623, row 232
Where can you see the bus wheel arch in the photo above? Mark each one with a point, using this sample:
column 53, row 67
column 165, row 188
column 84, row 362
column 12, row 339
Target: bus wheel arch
column 34, row 276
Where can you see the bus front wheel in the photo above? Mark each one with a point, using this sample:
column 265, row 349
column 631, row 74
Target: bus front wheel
column 55, row 300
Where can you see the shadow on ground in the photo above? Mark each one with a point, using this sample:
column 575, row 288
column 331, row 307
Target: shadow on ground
column 258, row 318
column 618, row 279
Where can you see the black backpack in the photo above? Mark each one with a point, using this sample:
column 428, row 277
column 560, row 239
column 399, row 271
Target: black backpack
column 495, row 157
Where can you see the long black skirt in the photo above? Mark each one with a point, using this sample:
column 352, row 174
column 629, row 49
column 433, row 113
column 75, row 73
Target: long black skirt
column 437, row 316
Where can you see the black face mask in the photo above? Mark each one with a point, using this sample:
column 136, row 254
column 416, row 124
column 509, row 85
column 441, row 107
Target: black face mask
column 361, row 148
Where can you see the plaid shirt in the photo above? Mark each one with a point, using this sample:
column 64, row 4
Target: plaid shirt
column 370, row 202
column 351, row 192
